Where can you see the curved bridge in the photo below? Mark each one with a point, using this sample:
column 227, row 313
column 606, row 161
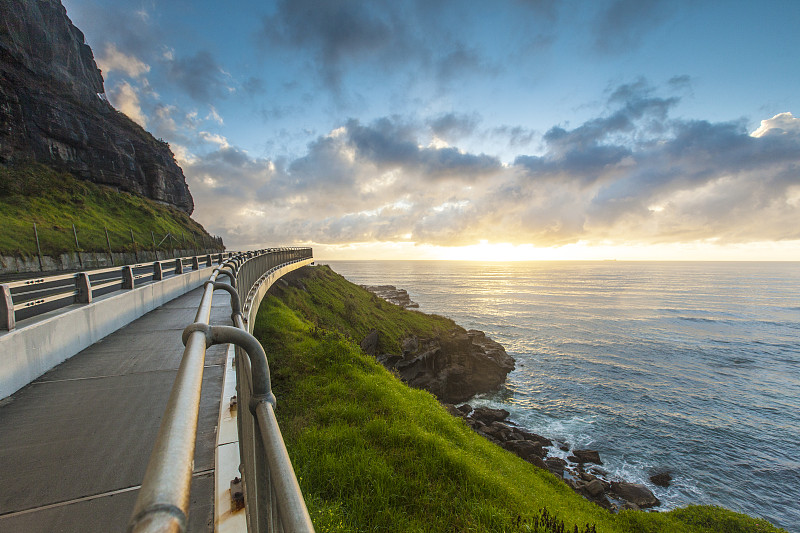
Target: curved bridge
column 75, row 442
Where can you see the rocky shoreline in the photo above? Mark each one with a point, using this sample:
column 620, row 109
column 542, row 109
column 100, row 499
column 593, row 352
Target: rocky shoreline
column 458, row 366
column 582, row 470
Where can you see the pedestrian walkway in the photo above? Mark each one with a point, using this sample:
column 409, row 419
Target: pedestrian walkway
column 74, row 444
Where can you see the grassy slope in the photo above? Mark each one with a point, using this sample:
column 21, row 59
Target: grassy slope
column 372, row 454
column 35, row 193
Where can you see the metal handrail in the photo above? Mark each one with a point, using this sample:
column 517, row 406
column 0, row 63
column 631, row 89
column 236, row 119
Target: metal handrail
column 273, row 501
column 32, row 294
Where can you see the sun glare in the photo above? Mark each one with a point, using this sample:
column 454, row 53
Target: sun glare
column 580, row 251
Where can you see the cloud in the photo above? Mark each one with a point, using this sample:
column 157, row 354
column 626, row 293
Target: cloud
column 336, row 32
column 214, row 138
column 454, row 125
column 517, row 136
column 390, row 142
column 622, row 24
column 409, row 42
column 199, row 75
column 780, row 124
column 631, row 174
column 113, row 60
column 124, row 97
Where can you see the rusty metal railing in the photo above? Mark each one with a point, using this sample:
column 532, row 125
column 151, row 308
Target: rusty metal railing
column 273, row 501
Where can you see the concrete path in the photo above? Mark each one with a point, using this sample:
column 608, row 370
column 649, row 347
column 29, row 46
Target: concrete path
column 74, row 444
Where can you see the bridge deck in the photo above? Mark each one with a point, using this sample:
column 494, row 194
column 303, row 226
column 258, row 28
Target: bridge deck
column 74, row 444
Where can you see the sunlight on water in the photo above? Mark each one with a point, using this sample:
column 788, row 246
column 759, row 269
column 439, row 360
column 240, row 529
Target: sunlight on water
column 688, row 367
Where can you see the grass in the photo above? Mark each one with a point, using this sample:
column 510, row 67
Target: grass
column 33, row 193
column 372, row 454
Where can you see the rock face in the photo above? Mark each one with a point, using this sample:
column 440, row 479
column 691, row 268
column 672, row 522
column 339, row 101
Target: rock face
column 393, row 295
column 53, row 109
column 454, row 367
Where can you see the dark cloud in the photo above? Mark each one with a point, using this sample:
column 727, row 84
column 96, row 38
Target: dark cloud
column 389, row 142
column 463, row 61
column 517, row 135
column 254, row 86
column 621, row 25
column 200, row 76
column 454, row 125
column 337, row 33
column 680, row 82
column 544, row 8
column 408, row 42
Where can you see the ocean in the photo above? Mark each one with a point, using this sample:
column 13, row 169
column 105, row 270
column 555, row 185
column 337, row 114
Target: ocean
column 687, row 367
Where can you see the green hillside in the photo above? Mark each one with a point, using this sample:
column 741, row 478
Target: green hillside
column 372, row 454
column 54, row 201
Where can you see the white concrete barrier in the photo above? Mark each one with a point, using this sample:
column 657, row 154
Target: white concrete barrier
column 30, row 350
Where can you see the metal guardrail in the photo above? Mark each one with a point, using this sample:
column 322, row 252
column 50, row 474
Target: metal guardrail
column 273, row 501
column 31, row 297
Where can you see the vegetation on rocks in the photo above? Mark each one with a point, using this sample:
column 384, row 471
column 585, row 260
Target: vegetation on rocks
column 33, row 193
column 373, row 454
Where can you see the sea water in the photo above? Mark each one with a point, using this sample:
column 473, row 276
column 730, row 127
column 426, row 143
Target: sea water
column 689, row 368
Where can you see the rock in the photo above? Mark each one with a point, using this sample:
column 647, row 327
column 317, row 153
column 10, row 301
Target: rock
column 465, row 408
column 635, row 493
column 388, row 360
column 555, row 465
column 628, row 506
column 543, row 441
column 488, row 432
column 662, row 479
column 536, row 461
column 594, row 488
column 564, row 447
column 498, row 430
column 370, row 343
column 410, row 345
column 585, row 456
column 475, row 424
column 452, row 409
column 53, row 110
column 524, row 449
column 488, row 415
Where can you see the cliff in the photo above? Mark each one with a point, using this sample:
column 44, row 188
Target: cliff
column 53, row 109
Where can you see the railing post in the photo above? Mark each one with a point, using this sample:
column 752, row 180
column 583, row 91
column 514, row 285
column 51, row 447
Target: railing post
column 84, row 286
column 127, row 277
column 133, row 242
column 195, row 263
column 208, row 260
column 77, row 246
column 158, row 272
column 38, row 248
column 179, row 266
column 7, row 321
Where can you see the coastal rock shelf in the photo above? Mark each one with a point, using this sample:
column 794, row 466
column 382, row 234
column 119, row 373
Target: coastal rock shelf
column 393, row 295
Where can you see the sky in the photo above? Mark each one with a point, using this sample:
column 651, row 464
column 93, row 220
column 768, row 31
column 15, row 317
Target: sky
column 436, row 129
